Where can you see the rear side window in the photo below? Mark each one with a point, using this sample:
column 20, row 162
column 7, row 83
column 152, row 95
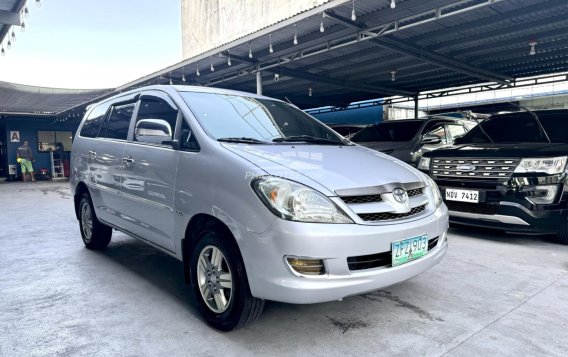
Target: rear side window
column 118, row 122
column 93, row 122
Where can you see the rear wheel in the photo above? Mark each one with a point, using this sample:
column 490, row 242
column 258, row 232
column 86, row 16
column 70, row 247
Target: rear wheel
column 95, row 234
column 220, row 282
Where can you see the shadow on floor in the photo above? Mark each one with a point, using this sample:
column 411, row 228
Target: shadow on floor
column 501, row 236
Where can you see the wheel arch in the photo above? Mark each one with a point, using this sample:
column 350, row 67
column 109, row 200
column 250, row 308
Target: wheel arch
column 195, row 225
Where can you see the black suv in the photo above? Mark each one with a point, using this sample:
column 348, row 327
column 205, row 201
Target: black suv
column 509, row 172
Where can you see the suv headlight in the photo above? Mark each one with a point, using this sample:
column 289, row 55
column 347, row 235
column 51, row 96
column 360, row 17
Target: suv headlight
column 553, row 165
column 435, row 191
column 295, row 202
column 424, row 164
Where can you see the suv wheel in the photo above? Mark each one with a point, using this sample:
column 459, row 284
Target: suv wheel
column 220, row 282
column 95, row 234
column 562, row 235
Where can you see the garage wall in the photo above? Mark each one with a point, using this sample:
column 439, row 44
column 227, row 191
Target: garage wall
column 28, row 128
column 207, row 24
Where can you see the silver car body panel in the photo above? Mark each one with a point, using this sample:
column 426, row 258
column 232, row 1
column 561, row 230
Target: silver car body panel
column 156, row 197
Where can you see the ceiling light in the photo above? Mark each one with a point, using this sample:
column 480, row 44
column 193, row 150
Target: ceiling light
column 38, row 3
column 229, row 63
column 9, row 45
column 23, row 27
column 393, row 4
column 250, row 50
column 26, row 12
column 13, row 35
column 353, row 15
column 295, row 35
column 322, row 28
column 270, row 49
column 183, row 77
column 197, row 70
column 3, row 52
column 212, row 68
column 393, row 75
column 532, row 51
column 310, row 92
column 276, row 77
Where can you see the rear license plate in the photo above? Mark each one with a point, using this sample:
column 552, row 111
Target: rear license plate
column 453, row 194
column 404, row 251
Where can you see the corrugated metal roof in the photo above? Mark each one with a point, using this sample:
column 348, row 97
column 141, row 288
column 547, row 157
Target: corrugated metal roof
column 18, row 98
column 10, row 6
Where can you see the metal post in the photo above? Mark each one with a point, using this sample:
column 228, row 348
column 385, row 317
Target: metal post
column 259, row 83
column 416, row 106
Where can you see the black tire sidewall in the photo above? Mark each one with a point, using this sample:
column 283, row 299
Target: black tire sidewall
column 230, row 318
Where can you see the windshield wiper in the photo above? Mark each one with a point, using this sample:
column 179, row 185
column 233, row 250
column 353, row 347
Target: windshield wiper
column 242, row 140
column 307, row 139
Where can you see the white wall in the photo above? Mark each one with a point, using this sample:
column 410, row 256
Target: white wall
column 207, row 24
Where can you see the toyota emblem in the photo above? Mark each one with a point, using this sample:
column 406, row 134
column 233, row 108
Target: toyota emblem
column 400, row 195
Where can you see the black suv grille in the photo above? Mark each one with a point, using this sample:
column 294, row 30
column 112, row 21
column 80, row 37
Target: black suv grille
column 488, row 169
column 379, row 260
column 479, row 208
column 387, row 216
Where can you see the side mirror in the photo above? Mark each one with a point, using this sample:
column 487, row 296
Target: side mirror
column 430, row 140
column 458, row 140
column 155, row 131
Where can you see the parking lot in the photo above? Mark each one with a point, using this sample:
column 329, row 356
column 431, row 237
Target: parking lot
column 493, row 294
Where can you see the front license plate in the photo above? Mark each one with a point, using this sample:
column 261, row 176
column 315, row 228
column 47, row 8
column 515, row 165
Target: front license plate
column 409, row 249
column 453, row 194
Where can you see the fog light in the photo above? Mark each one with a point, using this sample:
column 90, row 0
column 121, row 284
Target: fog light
column 306, row 266
column 541, row 195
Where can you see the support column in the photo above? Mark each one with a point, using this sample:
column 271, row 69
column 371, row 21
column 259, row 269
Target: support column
column 416, row 106
column 259, row 83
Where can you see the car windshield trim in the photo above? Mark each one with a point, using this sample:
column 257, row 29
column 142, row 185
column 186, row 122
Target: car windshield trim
column 308, row 139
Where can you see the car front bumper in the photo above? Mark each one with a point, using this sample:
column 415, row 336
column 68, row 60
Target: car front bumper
column 271, row 278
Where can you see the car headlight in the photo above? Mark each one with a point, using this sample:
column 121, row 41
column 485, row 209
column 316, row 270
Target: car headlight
column 553, row 165
column 435, row 191
column 424, row 164
column 295, row 202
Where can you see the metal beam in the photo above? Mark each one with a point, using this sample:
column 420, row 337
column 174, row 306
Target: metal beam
column 423, row 54
column 10, row 18
column 340, row 82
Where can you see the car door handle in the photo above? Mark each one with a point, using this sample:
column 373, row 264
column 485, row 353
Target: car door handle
column 92, row 154
column 128, row 161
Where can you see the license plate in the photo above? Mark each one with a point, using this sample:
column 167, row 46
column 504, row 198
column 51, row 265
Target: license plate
column 404, row 251
column 453, row 194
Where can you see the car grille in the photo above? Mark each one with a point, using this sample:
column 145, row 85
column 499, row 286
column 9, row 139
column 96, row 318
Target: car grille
column 378, row 260
column 376, row 198
column 484, row 169
column 388, row 216
column 479, row 208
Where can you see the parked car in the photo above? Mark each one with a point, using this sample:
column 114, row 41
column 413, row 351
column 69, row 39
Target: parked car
column 259, row 200
column 509, row 173
column 409, row 139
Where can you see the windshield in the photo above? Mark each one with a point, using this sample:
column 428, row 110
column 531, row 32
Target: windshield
column 389, row 131
column 237, row 118
column 519, row 127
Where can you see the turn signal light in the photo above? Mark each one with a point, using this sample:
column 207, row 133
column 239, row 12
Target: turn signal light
column 306, row 266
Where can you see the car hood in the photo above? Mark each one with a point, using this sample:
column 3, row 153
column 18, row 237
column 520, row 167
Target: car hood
column 503, row 150
column 327, row 168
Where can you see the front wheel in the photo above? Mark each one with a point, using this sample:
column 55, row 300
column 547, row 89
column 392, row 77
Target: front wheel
column 220, row 283
column 95, row 235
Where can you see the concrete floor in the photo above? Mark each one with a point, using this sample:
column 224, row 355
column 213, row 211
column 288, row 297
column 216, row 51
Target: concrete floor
column 494, row 294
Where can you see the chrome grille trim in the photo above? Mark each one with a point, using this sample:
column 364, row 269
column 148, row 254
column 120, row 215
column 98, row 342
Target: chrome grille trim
column 487, row 169
column 389, row 216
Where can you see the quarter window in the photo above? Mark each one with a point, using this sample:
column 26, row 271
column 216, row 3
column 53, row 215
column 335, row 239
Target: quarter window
column 93, row 122
column 439, row 131
column 456, row 130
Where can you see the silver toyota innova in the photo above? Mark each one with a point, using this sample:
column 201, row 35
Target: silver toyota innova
column 259, row 200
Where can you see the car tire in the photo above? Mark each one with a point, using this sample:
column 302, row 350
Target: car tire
column 95, row 235
column 562, row 235
column 220, row 283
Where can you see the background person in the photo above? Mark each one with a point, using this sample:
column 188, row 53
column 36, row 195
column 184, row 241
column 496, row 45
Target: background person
column 25, row 158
